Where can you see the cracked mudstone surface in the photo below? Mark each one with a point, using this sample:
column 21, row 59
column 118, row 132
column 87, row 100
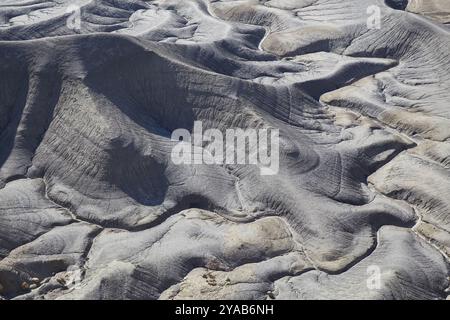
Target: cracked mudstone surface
column 92, row 207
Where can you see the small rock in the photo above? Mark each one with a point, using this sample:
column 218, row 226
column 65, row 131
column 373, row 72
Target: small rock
column 25, row 286
column 35, row 280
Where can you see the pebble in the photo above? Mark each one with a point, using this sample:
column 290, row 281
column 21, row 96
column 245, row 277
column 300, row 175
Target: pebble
column 25, row 286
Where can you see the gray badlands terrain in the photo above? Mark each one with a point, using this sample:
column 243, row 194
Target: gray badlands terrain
column 92, row 207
